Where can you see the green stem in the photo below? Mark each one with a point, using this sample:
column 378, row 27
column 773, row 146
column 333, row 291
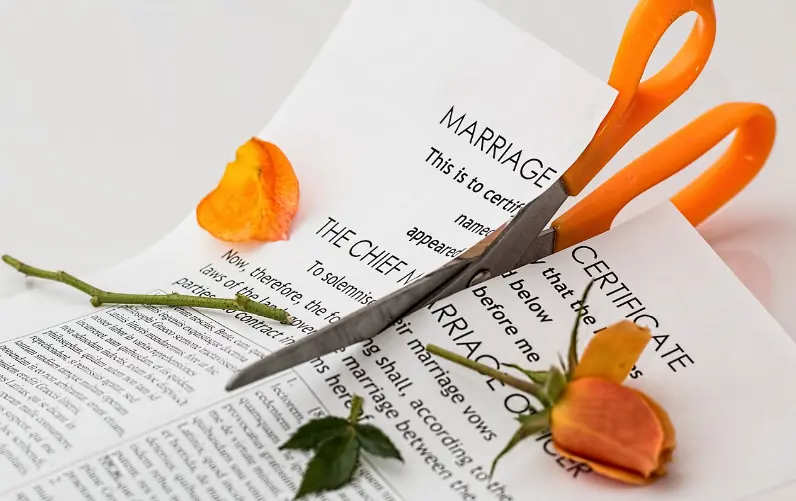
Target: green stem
column 520, row 384
column 100, row 297
column 356, row 408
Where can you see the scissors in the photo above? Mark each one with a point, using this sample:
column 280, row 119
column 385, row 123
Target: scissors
column 524, row 239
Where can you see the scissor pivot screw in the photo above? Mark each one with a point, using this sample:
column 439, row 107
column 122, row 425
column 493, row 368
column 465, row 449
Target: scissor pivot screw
column 480, row 277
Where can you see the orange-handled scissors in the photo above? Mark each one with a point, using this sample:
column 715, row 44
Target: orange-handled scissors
column 522, row 241
column 755, row 129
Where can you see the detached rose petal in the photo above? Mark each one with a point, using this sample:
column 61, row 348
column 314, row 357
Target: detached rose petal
column 256, row 199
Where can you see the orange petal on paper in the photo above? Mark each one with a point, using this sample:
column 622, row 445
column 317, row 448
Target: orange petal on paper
column 256, row 198
column 612, row 352
column 611, row 427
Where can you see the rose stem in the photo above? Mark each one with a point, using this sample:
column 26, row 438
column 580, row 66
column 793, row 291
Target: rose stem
column 526, row 386
column 100, row 297
column 356, row 408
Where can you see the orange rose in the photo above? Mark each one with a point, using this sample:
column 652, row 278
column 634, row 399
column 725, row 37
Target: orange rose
column 618, row 431
column 592, row 418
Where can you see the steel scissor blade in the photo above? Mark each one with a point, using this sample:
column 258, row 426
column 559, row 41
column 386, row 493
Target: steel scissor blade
column 543, row 246
column 517, row 241
column 515, row 244
column 362, row 324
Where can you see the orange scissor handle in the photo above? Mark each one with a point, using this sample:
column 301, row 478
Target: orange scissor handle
column 639, row 103
column 755, row 128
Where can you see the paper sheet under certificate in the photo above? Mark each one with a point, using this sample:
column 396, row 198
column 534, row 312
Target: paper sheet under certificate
column 421, row 127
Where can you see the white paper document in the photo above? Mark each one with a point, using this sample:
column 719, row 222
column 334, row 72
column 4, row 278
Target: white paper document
column 128, row 402
column 422, row 126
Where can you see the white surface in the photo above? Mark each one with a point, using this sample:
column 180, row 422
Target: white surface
column 117, row 116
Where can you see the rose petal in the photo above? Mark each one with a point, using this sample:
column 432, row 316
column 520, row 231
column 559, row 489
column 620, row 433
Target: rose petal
column 669, row 435
column 619, row 474
column 612, row 352
column 256, row 198
column 608, row 424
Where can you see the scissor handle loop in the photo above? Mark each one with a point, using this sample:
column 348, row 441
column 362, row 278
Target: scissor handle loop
column 755, row 127
column 637, row 103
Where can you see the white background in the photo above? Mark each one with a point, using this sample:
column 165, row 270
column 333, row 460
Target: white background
column 117, row 116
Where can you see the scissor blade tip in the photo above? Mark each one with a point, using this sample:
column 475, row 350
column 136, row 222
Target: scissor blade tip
column 241, row 379
column 233, row 384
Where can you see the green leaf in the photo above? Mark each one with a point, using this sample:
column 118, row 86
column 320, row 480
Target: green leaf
column 333, row 465
column 315, row 432
column 337, row 443
column 531, row 425
column 377, row 442
column 573, row 341
column 555, row 384
column 537, row 377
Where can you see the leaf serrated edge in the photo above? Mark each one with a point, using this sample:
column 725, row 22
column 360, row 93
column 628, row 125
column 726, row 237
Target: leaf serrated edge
column 383, row 436
column 304, row 491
